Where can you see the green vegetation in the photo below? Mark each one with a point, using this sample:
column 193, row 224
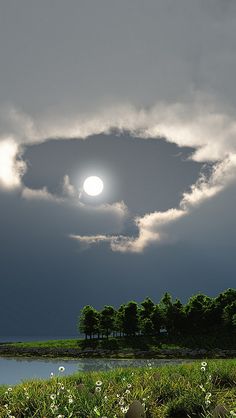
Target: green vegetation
column 202, row 320
column 191, row 390
column 50, row 344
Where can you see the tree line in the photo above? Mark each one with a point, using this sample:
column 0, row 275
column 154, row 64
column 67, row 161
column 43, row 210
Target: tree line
column 201, row 314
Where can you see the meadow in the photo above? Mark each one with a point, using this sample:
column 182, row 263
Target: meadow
column 197, row 389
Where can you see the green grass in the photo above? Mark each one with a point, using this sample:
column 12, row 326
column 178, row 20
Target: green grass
column 206, row 341
column 169, row 391
column 74, row 343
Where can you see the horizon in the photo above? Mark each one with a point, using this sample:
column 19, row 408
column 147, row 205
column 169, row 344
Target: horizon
column 142, row 98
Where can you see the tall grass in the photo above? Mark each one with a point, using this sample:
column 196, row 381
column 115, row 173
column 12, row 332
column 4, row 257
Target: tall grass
column 190, row 390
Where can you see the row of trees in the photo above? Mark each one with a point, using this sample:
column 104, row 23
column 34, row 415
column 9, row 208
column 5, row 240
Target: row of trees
column 201, row 314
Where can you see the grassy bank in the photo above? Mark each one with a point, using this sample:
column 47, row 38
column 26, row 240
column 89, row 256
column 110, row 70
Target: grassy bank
column 124, row 347
column 206, row 341
column 192, row 390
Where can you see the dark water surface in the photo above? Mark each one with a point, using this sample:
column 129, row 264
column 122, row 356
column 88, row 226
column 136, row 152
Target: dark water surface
column 14, row 370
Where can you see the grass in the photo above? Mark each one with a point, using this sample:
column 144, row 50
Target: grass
column 73, row 343
column 190, row 390
column 206, row 341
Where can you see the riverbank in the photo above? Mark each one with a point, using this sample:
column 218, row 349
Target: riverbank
column 190, row 390
column 14, row 350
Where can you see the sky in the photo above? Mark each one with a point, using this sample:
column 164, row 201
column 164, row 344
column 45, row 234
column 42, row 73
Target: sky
column 143, row 95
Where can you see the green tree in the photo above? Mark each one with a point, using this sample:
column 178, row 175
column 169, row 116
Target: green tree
column 165, row 306
column 89, row 321
column 175, row 317
column 157, row 319
column 119, row 320
column 196, row 313
column 229, row 314
column 131, row 318
column 107, row 320
column 146, row 326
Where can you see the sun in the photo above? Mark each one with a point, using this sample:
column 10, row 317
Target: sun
column 93, row 185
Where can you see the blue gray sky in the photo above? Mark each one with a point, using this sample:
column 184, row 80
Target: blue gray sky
column 141, row 94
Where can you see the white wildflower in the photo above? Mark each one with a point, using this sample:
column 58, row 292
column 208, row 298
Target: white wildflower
column 61, row 369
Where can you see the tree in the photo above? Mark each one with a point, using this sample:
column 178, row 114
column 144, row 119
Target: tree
column 165, row 306
column 146, row 326
column 119, row 320
column 157, row 320
column 89, row 321
column 147, row 307
column 175, row 317
column 131, row 318
column 229, row 314
column 107, row 320
column 196, row 310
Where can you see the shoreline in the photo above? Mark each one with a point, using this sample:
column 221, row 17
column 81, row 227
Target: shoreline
column 70, row 353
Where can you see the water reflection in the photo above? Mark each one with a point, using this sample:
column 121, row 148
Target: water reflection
column 14, row 370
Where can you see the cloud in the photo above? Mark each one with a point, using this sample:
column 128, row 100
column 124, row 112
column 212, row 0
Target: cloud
column 11, row 166
column 40, row 194
column 200, row 124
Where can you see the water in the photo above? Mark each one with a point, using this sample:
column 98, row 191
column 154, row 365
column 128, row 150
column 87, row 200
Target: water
column 15, row 370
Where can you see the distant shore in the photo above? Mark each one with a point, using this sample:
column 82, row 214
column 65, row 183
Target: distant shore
column 14, row 350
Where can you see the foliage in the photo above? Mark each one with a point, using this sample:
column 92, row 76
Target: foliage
column 201, row 315
column 190, row 390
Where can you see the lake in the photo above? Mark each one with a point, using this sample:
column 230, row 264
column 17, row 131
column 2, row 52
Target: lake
column 15, row 370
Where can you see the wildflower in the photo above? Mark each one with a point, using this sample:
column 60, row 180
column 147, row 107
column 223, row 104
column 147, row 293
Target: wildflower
column 61, row 369
column 51, row 375
column 98, row 389
column 129, row 386
column 53, row 397
column 203, row 369
column 70, row 400
column 60, row 416
column 9, row 389
column 124, row 409
column 117, row 395
column 121, row 402
column 127, row 391
column 99, row 383
column 204, row 363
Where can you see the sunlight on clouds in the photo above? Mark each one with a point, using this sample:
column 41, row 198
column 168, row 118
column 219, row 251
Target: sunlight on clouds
column 10, row 168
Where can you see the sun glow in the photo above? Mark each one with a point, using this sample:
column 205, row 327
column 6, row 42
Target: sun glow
column 93, row 186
